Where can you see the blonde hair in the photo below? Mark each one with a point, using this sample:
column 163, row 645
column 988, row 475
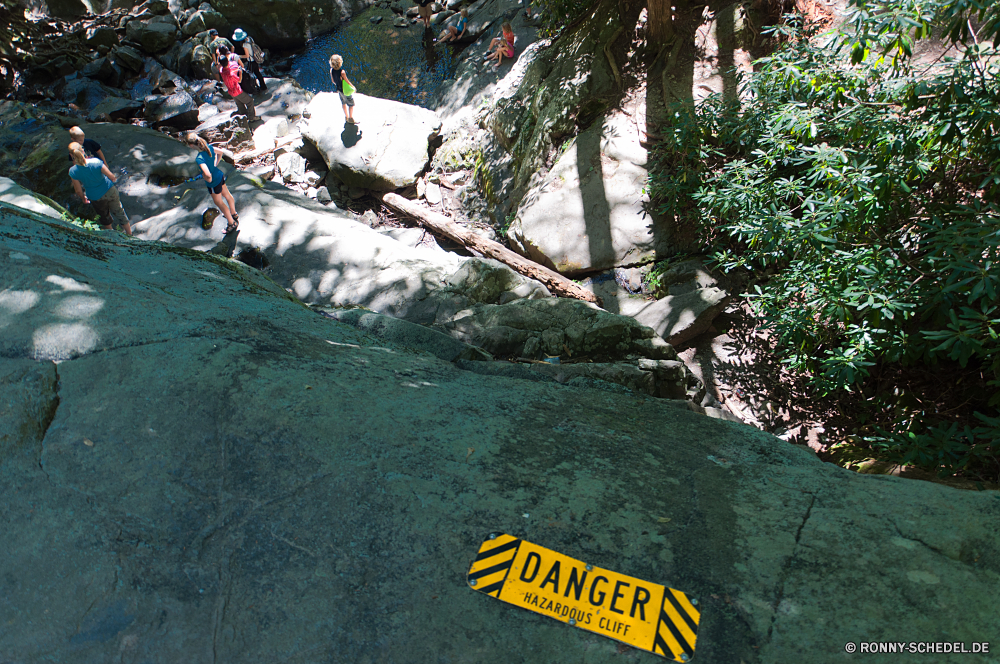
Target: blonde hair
column 336, row 61
column 76, row 134
column 465, row 13
column 506, row 27
column 194, row 139
column 76, row 154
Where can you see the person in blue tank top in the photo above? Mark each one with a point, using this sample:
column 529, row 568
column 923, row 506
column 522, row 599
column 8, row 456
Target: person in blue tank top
column 215, row 179
column 455, row 32
column 94, row 184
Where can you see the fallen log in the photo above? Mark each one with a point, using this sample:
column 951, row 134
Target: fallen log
column 438, row 223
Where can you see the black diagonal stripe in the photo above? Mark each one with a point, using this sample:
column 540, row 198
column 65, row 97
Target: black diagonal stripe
column 665, row 620
column 486, row 571
column 493, row 586
column 483, row 555
column 692, row 625
column 658, row 642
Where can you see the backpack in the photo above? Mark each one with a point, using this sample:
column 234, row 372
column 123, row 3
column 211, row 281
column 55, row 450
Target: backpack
column 256, row 52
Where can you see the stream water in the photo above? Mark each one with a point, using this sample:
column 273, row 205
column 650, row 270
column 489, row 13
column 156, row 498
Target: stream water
column 380, row 59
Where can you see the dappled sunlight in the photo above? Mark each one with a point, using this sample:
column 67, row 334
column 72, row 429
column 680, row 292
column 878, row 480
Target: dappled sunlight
column 15, row 302
column 61, row 341
column 78, row 306
column 67, row 283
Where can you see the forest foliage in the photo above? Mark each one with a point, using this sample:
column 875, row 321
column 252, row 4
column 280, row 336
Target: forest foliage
column 865, row 184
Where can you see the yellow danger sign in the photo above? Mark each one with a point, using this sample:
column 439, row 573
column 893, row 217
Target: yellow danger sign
column 644, row 615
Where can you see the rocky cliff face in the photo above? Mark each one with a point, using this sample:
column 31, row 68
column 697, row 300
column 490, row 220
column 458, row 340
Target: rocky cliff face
column 196, row 466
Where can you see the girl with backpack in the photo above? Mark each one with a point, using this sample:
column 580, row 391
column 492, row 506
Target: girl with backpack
column 249, row 52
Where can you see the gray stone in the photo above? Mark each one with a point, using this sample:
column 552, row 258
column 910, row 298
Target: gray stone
column 154, row 36
column 176, row 110
column 389, row 156
column 202, row 20
column 375, row 20
column 684, row 277
column 292, row 166
column 129, row 58
column 587, row 213
column 201, row 62
column 114, row 108
column 680, row 318
column 264, row 452
column 411, row 237
column 101, row 35
column 400, row 22
column 323, row 195
column 409, row 335
column 554, row 326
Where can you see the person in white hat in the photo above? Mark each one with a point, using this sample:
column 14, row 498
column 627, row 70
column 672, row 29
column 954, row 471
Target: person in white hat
column 243, row 46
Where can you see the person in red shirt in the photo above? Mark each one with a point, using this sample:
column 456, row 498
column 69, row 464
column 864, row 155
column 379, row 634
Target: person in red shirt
column 232, row 73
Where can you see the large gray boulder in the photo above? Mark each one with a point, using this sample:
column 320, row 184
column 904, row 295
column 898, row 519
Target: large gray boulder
column 177, row 110
column 202, row 20
column 200, row 468
column 101, row 36
column 587, row 213
column 155, row 36
column 389, row 154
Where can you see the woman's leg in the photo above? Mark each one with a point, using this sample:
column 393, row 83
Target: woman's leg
column 221, row 203
column 230, row 200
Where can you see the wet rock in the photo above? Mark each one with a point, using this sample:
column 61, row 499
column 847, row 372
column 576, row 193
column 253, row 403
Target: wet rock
column 202, row 20
column 101, row 36
column 83, row 92
column 177, row 110
column 380, row 159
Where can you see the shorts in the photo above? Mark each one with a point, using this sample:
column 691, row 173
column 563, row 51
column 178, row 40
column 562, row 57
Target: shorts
column 217, row 189
column 344, row 99
column 508, row 51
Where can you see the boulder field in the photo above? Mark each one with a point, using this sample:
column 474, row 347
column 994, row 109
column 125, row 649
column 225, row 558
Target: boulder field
column 197, row 467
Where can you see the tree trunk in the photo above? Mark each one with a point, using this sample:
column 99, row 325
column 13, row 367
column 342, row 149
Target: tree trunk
column 659, row 21
column 555, row 282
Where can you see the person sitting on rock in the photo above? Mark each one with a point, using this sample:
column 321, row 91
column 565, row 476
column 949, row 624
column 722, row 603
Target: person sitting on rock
column 94, row 184
column 215, row 179
column 338, row 76
column 91, row 148
column 243, row 48
column 232, row 74
column 455, row 32
column 504, row 46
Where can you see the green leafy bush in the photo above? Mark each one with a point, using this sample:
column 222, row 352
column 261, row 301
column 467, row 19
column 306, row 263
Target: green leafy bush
column 870, row 190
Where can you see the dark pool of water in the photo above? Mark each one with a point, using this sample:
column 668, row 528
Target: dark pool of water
column 380, row 59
